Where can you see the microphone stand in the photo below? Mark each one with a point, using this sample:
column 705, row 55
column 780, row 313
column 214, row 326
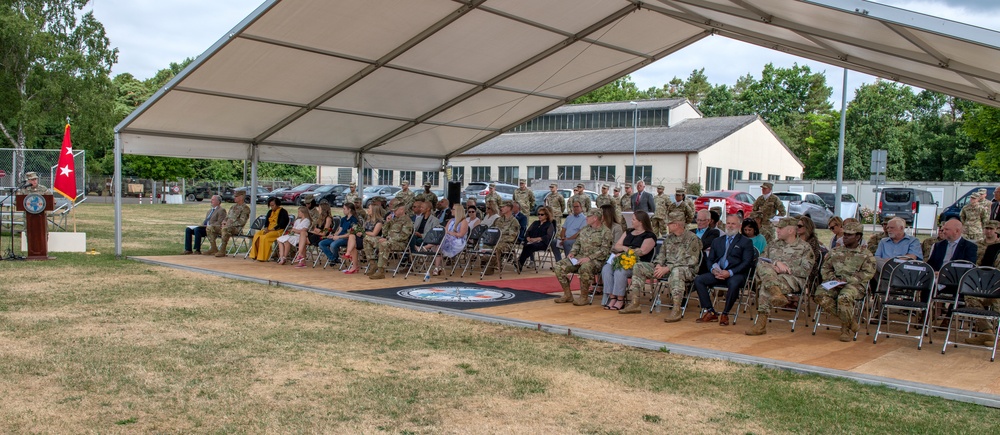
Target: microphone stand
column 10, row 255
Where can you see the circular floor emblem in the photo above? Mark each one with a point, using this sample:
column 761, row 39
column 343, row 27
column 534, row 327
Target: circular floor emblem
column 456, row 294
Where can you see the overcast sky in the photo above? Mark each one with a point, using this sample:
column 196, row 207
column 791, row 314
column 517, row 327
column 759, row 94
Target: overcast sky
column 150, row 34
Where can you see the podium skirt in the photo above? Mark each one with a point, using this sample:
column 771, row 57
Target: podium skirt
column 260, row 250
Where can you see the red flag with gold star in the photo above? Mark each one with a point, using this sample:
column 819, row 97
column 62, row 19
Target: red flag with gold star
column 65, row 177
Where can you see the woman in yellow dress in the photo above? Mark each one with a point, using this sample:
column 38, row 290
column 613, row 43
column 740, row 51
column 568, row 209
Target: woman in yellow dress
column 277, row 220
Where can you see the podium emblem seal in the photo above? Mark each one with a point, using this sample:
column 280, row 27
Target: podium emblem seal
column 34, row 203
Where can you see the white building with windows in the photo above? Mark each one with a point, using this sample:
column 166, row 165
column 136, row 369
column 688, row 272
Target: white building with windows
column 674, row 146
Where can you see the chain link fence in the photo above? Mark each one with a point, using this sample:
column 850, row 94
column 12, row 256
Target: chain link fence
column 15, row 163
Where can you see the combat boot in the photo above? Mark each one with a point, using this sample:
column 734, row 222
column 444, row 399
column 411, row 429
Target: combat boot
column 222, row 248
column 584, row 289
column 759, row 328
column 675, row 311
column 778, row 300
column 567, row 294
column 632, row 307
column 846, row 333
column 371, row 269
column 214, row 249
column 980, row 340
column 379, row 274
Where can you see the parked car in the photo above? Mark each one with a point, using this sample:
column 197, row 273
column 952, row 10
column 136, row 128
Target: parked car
column 902, row 202
column 262, row 194
column 479, row 189
column 849, row 206
column 566, row 193
column 807, row 204
column 291, row 196
column 389, row 192
column 329, row 192
column 737, row 202
column 954, row 210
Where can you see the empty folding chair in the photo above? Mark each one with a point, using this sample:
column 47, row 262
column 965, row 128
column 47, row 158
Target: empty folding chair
column 947, row 285
column 487, row 248
column 426, row 252
column 982, row 283
column 242, row 240
column 902, row 294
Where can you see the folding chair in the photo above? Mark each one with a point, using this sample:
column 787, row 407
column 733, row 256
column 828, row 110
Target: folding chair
column 948, row 279
column 487, row 247
column 335, row 223
column 246, row 237
column 859, row 311
column 981, row 282
column 803, row 299
column 403, row 255
column 720, row 292
column 274, row 244
column 903, row 294
column 471, row 245
column 424, row 253
column 876, row 293
column 656, row 303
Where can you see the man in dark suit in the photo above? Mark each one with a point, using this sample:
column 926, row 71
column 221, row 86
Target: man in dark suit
column 643, row 200
column 953, row 247
column 731, row 257
column 707, row 233
column 995, row 205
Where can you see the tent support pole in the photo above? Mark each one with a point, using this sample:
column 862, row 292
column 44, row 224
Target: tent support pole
column 116, row 189
column 840, row 147
column 254, row 161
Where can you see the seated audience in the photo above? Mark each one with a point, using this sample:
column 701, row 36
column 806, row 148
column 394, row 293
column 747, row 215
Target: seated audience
column 492, row 213
column 331, row 244
column 423, row 221
column 276, row 221
column 472, row 217
column 455, row 233
column 852, row 266
column 509, row 228
column 321, row 224
column 676, row 262
column 642, row 241
column 538, row 236
column 297, row 237
column 233, row 225
column 836, row 226
column 897, row 244
column 356, row 242
column 782, row 270
column 396, row 233
column 731, row 257
column 214, row 218
column 707, row 233
column 585, row 259
column 522, row 220
column 569, row 231
column 752, row 231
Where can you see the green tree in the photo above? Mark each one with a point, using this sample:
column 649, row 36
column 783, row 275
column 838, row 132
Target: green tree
column 622, row 89
column 54, row 63
column 982, row 123
column 878, row 118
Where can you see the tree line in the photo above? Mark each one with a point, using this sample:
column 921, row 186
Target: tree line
column 56, row 60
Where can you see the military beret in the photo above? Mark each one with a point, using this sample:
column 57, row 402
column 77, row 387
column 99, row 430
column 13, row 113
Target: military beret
column 554, row 185
column 580, row 186
column 853, row 228
column 992, row 224
column 30, row 176
column 679, row 191
column 595, row 212
column 235, row 194
column 676, row 216
column 767, row 185
column 787, row 221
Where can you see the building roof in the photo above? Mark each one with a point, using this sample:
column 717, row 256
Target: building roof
column 666, row 103
column 692, row 135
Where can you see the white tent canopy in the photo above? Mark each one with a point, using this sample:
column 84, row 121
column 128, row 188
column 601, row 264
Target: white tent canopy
column 410, row 84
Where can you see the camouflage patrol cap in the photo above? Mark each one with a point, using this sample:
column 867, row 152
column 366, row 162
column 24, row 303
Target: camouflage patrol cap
column 237, row 193
column 427, row 184
column 522, row 181
column 554, row 185
column 767, row 185
column 358, row 199
column 30, row 176
column 676, row 216
column 992, row 224
column 306, row 197
column 628, row 185
column 324, row 202
column 787, row 221
column 605, row 186
column 493, row 184
column 406, row 182
column 679, row 191
column 595, row 212
column 853, row 228
column 660, row 187
column 580, row 186
column 618, row 189
column 507, row 203
column 353, row 184
column 981, row 192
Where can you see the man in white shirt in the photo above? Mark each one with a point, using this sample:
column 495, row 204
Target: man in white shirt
column 569, row 230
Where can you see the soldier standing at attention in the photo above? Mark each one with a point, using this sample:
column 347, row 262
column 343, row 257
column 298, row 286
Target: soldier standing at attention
column 604, row 198
column 852, row 266
column 493, row 196
column 677, row 261
column 625, row 202
column 974, row 217
column 586, row 258
column 429, row 197
column 769, row 206
column 782, row 269
column 557, row 203
column 582, row 197
column 524, row 197
column 394, row 239
column 233, row 225
column 406, row 196
column 33, row 186
column 352, row 195
column 682, row 203
column 662, row 203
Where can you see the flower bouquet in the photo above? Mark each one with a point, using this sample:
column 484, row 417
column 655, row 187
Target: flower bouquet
column 358, row 230
column 625, row 261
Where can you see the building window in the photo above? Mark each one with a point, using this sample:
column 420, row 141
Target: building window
column 431, row 177
column 480, row 173
column 734, row 176
column 344, row 175
column 458, row 173
column 385, row 177
column 569, row 172
column 755, row 176
column 772, row 177
column 788, row 178
column 537, row 173
column 508, row 174
column 602, row 173
column 644, row 173
column 410, row 176
column 713, row 178
column 368, row 177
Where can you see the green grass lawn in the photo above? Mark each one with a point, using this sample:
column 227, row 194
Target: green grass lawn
column 93, row 344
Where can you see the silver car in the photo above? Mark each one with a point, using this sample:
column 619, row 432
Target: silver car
column 807, row 204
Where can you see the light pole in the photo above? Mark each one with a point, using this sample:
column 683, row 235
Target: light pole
column 635, row 135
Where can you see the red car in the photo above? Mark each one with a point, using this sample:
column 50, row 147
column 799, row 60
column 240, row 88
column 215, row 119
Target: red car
column 737, row 202
column 291, row 195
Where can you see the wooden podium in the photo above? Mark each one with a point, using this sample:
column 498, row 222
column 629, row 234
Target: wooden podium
column 35, row 208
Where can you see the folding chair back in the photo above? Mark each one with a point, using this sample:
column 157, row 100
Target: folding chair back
column 471, row 248
column 245, row 237
column 490, row 238
column 476, row 233
column 902, row 293
column 984, row 283
column 424, row 253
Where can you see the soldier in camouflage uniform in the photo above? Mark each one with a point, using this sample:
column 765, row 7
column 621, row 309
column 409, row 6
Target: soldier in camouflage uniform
column 659, row 219
column 989, row 238
column 877, row 237
column 509, row 230
column 974, row 217
column 309, row 200
column 682, row 203
column 768, row 205
column 406, row 197
column 33, row 186
column 350, row 196
column 591, row 250
column 625, row 202
column 524, row 196
column 233, row 225
column 677, row 261
column 393, row 240
column 853, row 266
column 361, row 212
column 493, row 196
column 557, row 203
column 428, row 196
column 581, row 197
column 758, row 217
column 791, row 260
column 984, row 327
column 604, row 198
